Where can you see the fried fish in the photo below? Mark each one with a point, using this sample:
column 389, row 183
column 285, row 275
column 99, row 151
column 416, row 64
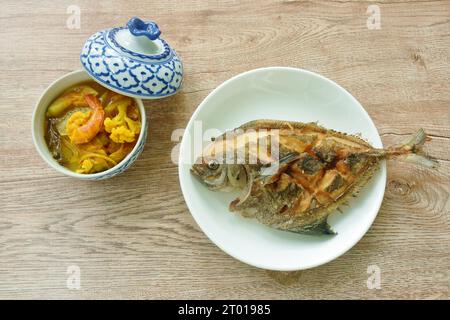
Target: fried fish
column 293, row 175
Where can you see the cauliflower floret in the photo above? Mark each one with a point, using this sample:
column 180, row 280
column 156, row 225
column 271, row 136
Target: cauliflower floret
column 122, row 128
column 121, row 135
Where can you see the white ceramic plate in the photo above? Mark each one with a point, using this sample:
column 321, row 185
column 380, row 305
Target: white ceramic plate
column 285, row 94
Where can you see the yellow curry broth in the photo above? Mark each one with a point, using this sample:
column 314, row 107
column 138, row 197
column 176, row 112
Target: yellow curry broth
column 109, row 146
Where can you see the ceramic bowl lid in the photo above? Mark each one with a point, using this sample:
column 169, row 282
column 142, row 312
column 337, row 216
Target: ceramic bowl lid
column 133, row 61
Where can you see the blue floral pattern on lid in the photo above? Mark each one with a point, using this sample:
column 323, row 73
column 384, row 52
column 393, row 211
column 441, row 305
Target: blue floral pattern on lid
column 133, row 60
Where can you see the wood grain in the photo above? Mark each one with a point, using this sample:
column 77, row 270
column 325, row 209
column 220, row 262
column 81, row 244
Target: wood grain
column 133, row 237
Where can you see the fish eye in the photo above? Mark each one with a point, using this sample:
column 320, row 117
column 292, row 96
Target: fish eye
column 213, row 165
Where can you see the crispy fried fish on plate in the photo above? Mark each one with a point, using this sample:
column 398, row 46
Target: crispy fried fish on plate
column 292, row 174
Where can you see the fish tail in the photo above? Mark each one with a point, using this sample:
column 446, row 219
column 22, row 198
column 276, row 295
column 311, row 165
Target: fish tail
column 411, row 151
column 416, row 141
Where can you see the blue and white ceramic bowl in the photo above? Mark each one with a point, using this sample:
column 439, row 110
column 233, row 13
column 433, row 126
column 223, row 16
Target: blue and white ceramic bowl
column 133, row 60
column 55, row 89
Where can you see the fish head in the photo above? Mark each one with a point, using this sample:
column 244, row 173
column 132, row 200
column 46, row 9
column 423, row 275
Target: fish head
column 211, row 173
column 219, row 176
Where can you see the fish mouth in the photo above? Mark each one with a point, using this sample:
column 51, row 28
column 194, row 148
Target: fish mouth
column 198, row 175
column 195, row 171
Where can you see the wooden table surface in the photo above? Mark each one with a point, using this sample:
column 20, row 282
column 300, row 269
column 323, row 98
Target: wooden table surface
column 133, row 237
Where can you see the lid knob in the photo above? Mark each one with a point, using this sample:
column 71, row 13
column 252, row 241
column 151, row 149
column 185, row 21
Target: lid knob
column 139, row 28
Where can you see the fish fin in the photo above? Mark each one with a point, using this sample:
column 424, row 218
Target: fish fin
column 288, row 158
column 415, row 155
column 416, row 140
column 319, row 229
column 274, row 168
column 421, row 159
column 325, row 228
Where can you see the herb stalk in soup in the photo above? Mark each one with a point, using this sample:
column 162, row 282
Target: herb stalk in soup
column 90, row 129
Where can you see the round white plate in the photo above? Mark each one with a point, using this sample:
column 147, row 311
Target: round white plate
column 284, row 94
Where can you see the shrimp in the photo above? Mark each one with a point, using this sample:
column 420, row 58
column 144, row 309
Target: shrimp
column 83, row 127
